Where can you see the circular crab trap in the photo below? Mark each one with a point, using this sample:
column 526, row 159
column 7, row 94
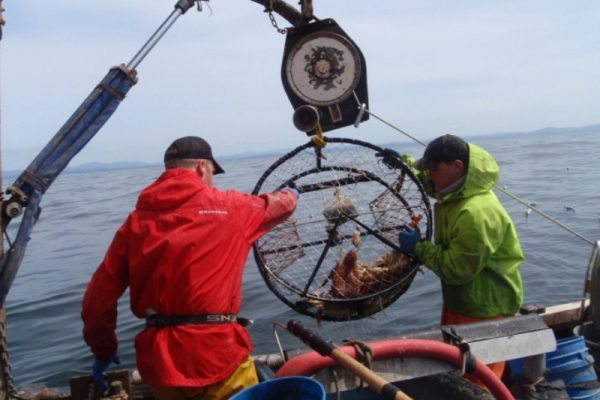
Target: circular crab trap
column 337, row 257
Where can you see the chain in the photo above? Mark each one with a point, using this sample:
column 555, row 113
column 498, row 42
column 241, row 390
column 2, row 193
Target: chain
column 269, row 10
column 274, row 23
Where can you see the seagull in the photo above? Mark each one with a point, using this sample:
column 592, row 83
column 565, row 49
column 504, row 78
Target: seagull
column 532, row 203
column 570, row 208
column 527, row 212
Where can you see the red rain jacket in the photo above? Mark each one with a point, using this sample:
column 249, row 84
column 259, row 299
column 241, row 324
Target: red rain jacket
column 181, row 251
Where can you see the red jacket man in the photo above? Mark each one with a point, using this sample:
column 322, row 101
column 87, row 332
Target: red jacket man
column 182, row 252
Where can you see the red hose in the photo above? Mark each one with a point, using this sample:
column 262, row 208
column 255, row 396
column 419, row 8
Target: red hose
column 308, row 363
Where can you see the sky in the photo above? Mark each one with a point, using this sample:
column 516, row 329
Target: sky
column 433, row 67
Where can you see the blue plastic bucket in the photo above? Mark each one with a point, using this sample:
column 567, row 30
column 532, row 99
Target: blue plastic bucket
column 592, row 340
column 288, row 388
column 571, row 363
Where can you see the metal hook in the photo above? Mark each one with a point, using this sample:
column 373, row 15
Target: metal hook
column 199, row 5
column 361, row 111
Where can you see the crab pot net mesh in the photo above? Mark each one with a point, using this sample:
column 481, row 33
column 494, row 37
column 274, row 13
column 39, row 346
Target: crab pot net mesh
column 337, row 257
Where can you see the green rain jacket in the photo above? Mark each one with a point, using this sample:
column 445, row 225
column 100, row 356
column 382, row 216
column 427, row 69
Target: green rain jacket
column 476, row 252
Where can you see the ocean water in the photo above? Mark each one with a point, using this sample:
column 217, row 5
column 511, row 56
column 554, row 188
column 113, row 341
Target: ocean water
column 81, row 212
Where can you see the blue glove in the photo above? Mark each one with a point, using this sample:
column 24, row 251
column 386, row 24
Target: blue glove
column 408, row 238
column 98, row 369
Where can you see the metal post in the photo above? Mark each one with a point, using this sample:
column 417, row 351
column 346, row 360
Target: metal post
column 534, row 368
column 180, row 8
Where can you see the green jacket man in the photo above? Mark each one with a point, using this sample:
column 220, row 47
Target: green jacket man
column 476, row 251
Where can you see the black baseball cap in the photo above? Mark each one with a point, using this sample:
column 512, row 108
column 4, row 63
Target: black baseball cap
column 193, row 147
column 446, row 148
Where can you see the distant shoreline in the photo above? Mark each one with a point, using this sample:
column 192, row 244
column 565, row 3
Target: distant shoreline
column 121, row 165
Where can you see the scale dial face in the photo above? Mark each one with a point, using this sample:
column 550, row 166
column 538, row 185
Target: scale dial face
column 323, row 68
